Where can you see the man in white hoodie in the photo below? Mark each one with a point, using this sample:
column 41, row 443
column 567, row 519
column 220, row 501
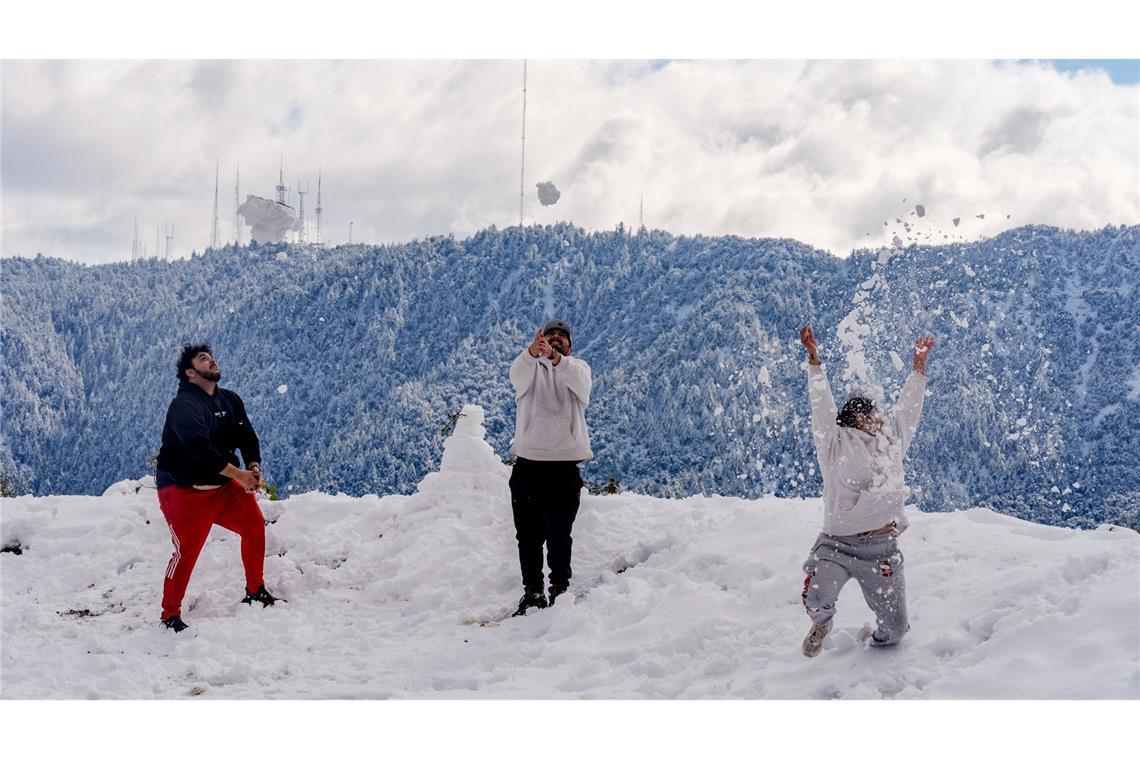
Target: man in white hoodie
column 552, row 390
column 861, row 458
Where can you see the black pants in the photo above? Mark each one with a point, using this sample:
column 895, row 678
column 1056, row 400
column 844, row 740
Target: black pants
column 544, row 499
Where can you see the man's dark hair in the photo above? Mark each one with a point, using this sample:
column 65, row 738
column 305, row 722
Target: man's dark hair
column 855, row 405
column 186, row 360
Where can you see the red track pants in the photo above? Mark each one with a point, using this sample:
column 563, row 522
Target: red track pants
column 190, row 513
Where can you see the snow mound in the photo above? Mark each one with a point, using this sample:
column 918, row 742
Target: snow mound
column 130, row 486
column 409, row 596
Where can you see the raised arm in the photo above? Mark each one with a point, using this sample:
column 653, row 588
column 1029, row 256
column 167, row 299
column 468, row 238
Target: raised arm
column 908, row 410
column 522, row 368
column 823, row 411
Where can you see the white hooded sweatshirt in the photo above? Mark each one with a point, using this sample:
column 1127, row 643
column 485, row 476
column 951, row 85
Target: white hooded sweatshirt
column 551, row 422
column 863, row 488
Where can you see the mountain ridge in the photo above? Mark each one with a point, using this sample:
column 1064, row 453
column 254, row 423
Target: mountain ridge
column 698, row 383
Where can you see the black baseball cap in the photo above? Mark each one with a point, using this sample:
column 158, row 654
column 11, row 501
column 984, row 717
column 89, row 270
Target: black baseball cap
column 558, row 324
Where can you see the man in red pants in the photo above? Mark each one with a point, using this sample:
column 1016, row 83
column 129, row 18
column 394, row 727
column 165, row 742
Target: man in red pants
column 200, row 484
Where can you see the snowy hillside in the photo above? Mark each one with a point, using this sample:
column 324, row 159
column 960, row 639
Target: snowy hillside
column 351, row 359
column 404, row 596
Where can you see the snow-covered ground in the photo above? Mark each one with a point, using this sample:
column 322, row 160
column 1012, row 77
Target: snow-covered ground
column 404, row 596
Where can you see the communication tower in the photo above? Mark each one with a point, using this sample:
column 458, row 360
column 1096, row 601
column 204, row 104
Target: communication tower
column 281, row 183
column 320, row 233
column 301, row 218
column 215, row 237
column 237, row 202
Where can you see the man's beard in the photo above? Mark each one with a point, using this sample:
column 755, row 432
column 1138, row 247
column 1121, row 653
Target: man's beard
column 212, row 377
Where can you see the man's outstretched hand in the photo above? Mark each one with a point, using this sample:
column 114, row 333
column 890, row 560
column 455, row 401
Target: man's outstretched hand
column 807, row 338
column 539, row 346
column 247, row 480
column 922, row 346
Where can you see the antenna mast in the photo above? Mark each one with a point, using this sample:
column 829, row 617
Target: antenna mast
column 350, row 233
column 522, row 161
column 169, row 237
column 301, row 233
column 320, row 239
column 641, row 212
column 237, row 202
column 135, row 244
column 214, row 235
column 281, row 183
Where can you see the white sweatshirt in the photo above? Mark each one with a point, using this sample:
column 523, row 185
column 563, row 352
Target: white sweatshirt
column 551, row 422
column 863, row 486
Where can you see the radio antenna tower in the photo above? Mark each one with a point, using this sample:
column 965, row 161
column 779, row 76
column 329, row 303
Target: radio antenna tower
column 301, row 205
column 214, row 236
column 237, row 202
column 350, row 233
column 320, row 238
column 281, row 183
column 522, row 160
column 135, row 244
column 641, row 212
column 156, row 248
column 169, row 237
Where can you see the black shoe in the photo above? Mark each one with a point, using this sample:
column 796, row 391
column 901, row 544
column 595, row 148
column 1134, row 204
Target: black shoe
column 175, row 624
column 262, row 596
column 530, row 599
column 555, row 591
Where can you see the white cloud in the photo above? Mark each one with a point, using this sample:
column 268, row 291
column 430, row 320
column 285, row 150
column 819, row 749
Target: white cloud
column 822, row 152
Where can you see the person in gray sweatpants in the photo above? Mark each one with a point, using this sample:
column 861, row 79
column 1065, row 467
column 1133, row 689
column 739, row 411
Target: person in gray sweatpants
column 876, row 564
column 860, row 455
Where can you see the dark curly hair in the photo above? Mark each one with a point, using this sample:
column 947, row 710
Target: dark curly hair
column 855, row 405
column 186, row 360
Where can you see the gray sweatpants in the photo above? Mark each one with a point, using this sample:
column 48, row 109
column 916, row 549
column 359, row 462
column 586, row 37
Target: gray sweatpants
column 876, row 563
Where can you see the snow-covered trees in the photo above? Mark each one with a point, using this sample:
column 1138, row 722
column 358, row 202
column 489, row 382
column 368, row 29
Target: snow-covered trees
column 698, row 383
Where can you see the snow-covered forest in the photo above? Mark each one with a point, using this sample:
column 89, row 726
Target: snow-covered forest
column 351, row 360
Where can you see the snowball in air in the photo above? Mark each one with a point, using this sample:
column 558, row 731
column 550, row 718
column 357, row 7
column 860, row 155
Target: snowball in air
column 282, row 389
column 548, row 194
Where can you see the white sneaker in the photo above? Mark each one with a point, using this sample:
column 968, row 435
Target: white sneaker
column 814, row 640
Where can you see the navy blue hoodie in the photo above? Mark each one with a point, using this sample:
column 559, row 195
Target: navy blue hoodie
column 200, row 436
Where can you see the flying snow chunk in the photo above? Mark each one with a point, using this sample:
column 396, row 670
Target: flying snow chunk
column 548, row 194
column 268, row 220
column 956, row 220
column 980, row 216
column 896, row 360
column 896, row 241
column 765, row 379
column 282, row 389
column 920, row 210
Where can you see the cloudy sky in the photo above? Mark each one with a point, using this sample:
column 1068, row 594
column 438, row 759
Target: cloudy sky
column 820, row 151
